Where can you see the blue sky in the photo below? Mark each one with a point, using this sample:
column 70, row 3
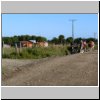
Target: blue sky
column 50, row 25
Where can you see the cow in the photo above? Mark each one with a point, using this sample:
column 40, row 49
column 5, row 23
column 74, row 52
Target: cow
column 41, row 44
column 91, row 45
column 83, row 46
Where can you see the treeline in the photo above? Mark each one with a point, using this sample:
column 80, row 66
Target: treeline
column 11, row 40
column 56, row 40
column 62, row 40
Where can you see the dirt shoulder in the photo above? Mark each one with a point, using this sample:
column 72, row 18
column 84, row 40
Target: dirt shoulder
column 71, row 70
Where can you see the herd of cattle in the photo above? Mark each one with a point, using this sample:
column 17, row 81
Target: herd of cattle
column 82, row 47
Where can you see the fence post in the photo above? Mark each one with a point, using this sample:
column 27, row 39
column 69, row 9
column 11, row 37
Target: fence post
column 20, row 48
column 3, row 47
column 16, row 48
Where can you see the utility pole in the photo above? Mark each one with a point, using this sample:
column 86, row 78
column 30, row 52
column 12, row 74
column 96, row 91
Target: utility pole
column 95, row 35
column 73, row 20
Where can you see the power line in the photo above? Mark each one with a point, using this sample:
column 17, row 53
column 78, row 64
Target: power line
column 72, row 20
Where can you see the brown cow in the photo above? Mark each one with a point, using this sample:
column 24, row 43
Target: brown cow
column 91, row 45
column 41, row 44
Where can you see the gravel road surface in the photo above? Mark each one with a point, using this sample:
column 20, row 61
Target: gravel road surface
column 71, row 70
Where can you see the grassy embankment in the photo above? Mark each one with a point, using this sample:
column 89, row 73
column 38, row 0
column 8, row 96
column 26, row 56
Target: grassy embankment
column 35, row 52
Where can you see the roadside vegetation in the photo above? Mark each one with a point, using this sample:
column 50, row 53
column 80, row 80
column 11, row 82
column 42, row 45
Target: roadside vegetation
column 58, row 46
column 37, row 52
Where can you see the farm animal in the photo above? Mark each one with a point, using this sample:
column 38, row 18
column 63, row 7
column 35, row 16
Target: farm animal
column 91, row 45
column 83, row 47
column 41, row 44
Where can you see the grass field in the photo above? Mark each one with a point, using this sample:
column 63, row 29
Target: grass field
column 35, row 52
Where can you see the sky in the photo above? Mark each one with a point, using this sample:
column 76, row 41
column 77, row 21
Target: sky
column 50, row 25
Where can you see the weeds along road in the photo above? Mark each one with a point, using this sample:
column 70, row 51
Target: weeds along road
column 71, row 70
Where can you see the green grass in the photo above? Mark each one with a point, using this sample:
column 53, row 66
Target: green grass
column 96, row 47
column 8, row 50
column 36, row 52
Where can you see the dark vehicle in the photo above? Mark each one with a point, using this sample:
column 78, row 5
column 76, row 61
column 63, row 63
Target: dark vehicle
column 75, row 48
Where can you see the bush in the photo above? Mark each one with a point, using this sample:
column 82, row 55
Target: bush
column 5, row 56
column 39, row 52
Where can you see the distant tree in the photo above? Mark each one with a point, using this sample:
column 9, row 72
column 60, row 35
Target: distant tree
column 15, row 39
column 33, row 37
column 55, row 40
column 19, row 38
column 22, row 38
column 44, row 38
column 91, row 39
column 61, row 39
column 69, row 40
column 77, row 40
column 10, row 41
column 40, row 39
column 26, row 37
column 5, row 39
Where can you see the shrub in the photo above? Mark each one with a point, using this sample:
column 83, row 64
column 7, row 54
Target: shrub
column 5, row 56
column 39, row 52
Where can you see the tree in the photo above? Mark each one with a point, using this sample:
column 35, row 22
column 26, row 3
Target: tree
column 55, row 40
column 78, row 40
column 27, row 37
column 10, row 41
column 40, row 39
column 91, row 39
column 21, row 38
column 61, row 39
column 7, row 40
column 33, row 37
column 15, row 39
column 69, row 40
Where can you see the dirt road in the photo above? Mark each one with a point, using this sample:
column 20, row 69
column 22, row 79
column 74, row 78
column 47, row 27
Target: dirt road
column 71, row 70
